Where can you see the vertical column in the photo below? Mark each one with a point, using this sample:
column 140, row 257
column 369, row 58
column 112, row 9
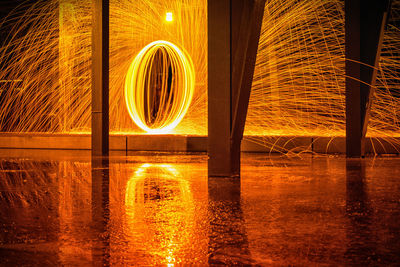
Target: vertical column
column 353, row 57
column 219, row 88
column 100, row 78
column 233, row 33
column 364, row 25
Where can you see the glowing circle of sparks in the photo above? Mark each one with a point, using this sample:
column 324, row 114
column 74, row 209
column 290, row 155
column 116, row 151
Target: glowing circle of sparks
column 159, row 87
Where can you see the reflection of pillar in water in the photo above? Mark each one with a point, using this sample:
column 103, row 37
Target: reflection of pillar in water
column 361, row 244
column 228, row 243
column 100, row 211
column 159, row 212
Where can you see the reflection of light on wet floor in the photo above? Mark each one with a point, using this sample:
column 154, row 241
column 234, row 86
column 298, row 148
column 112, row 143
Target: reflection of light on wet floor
column 312, row 211
column 159, row 207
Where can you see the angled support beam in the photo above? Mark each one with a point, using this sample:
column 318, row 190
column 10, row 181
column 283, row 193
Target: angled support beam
column 233, row 34
column 365, row 22
column 100, row 78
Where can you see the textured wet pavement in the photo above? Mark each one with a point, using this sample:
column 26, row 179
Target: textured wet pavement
column 62, row 208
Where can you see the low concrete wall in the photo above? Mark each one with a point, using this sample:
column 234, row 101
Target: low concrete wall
column 48, row 141
column 188, row 143
column 178, row 143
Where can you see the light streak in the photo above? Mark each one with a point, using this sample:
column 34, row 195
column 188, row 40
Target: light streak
column 159, row 87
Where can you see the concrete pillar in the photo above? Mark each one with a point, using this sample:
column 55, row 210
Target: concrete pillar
column 233, row 33
column 100, row 78
column 364, row 24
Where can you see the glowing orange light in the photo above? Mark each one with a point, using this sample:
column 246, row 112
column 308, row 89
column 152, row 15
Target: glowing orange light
column 169, row 17
column 159, row 205
column 159, row 87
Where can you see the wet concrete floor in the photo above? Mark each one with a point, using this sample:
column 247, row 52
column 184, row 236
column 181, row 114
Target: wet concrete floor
column 60, row 208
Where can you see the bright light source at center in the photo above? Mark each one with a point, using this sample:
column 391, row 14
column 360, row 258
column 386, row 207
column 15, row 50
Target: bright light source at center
column 159, row 87
column 169, row 16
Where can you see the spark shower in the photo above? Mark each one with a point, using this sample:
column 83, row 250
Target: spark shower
column 298, row 87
